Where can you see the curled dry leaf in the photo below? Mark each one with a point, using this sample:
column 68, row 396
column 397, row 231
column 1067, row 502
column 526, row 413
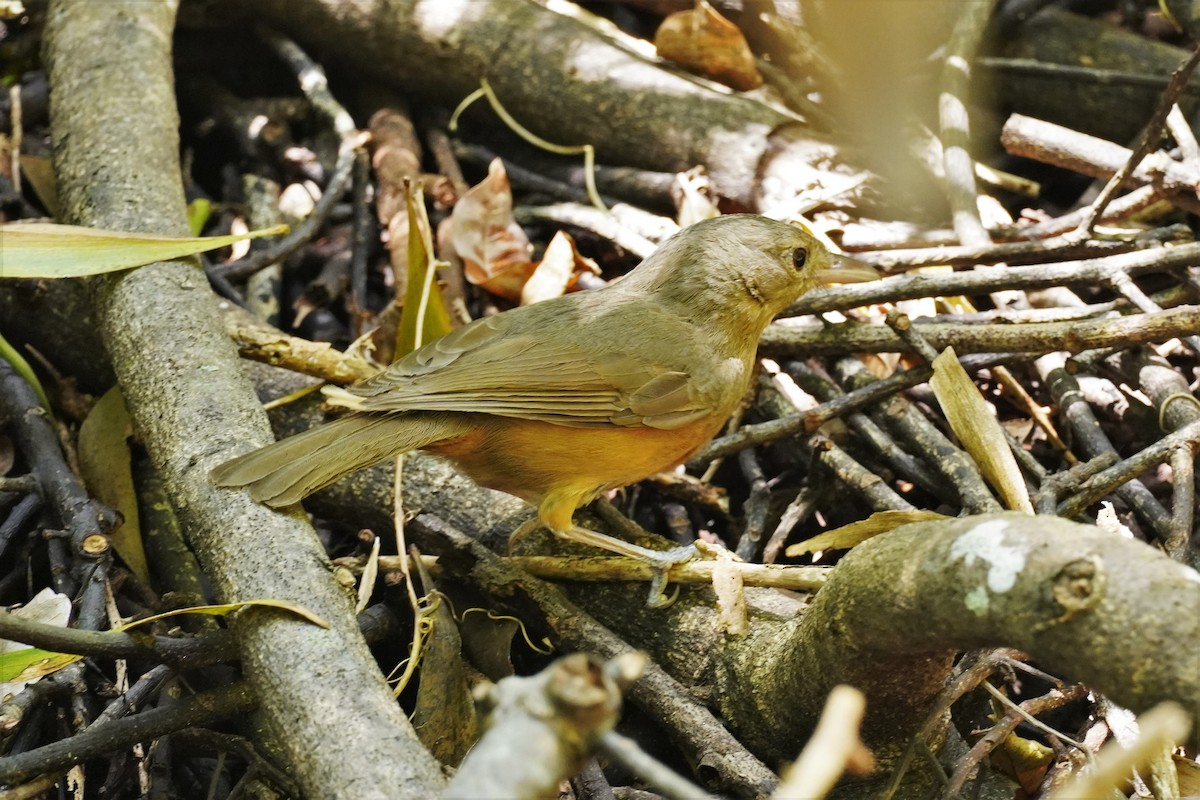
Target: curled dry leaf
column 703, row 41
column 558, row 271
column 483, row 233
column 691, row 192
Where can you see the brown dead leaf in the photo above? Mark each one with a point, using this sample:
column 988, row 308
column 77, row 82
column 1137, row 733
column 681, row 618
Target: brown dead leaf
column 703, row 41
column 40, row 174
column 485, row 236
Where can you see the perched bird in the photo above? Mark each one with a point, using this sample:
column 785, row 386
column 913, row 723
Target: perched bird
column 558, row 401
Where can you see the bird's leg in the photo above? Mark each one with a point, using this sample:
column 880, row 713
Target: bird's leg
column 556, row 511
column 660, row 561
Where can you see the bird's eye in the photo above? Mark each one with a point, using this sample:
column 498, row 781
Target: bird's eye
column 799, row 257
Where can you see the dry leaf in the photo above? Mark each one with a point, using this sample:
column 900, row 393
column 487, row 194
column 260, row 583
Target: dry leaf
column 693, row 202
column 703, row 41
column 485, row 235
column 39, row 172
column 106, row 464
column 972, row 420
column 855, row 533
column 424, row 316
column 557, row 272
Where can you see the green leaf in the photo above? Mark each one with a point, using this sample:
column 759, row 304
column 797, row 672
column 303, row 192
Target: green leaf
column 424, row 317
column 45, row 250
column 30, row 663
column 198, row 212
column 22, row 368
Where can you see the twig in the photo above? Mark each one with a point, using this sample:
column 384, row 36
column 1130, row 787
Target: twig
column 119, row 734
column 955, row 123
column 627, row 753
column 1035, row 251
column 315, row 86
column 879, row 495
column 1103, row 483
column 1146, row 141
column 1032, row 337
column 954, row 465
column 258, row 341
column 833, row 748
column 905, row 464
column 1046, row 499
column 1027, row 711
column 973, row 282
column 792, row 424
column 1098, row 158
column 185, row 652
column 697, row 731
column 1162, row 726
column 1090, row 440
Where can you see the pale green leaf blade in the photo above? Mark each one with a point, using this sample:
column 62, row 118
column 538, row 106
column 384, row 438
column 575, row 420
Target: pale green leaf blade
column 46, row 250
column 856, row 533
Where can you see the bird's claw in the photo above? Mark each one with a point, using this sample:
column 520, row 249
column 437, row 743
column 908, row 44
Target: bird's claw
column 660, row 567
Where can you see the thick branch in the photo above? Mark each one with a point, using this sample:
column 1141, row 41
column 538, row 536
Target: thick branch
column 116, row 158
column 634, row 111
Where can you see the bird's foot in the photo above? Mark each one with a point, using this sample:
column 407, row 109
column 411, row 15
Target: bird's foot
column 660, row 573
column 660, row 561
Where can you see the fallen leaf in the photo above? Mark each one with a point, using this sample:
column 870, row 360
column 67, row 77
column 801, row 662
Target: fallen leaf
column 21, row 664
column 856, row 533
column 46, row 250
column 424, row 316
column 972, row 420
column 558, row 270
column 703, row 41
column 693, row 202
column 485, row 235
column 39, row 173
column 106, row 464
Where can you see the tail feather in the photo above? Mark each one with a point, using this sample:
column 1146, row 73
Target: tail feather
column 287, row 471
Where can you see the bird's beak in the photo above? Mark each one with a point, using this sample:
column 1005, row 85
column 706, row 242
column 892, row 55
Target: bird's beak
column 843, row 269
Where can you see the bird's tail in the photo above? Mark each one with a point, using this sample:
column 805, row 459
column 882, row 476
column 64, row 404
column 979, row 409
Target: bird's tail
column 287, row 471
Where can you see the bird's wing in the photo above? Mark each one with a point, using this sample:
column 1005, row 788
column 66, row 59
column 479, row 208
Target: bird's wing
column 489, row 367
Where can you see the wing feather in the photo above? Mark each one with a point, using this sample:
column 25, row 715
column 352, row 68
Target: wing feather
column 501, row 365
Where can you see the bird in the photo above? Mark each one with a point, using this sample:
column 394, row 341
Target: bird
column 562, row 400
